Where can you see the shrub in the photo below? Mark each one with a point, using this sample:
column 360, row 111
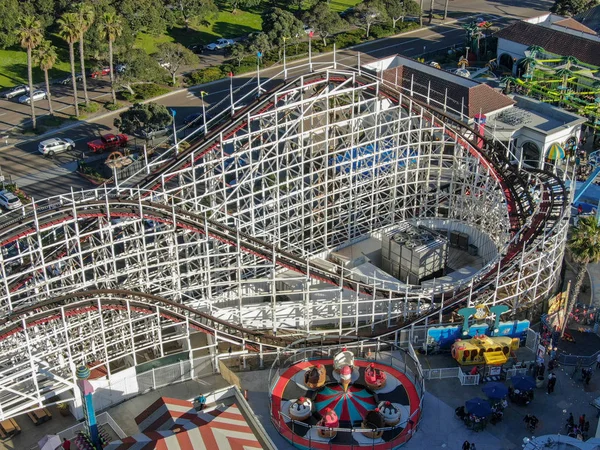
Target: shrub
column 381, row 31
column 113, row 106
column 205, row 75
column 245, row 67
column 150, row 90
column 349, row 38
column 89, row 109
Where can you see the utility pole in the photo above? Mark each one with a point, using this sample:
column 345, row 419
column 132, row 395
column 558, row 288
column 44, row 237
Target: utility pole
column 421, row 14
column 446, row 10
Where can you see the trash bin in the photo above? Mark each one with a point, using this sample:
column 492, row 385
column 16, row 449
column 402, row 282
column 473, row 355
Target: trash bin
column 539, row 382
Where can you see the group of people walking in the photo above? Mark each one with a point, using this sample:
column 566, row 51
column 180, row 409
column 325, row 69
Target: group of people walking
column 577, row 430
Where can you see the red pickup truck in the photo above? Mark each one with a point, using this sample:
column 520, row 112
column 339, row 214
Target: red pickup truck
column 108, row 142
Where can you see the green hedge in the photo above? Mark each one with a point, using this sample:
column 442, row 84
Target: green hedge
column 206, row 75
column 143, row 92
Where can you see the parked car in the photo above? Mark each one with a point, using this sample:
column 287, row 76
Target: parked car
column 50, row 147
column 221, row 43
column 67, row 79
column 308, row 29
column 108, row 142
column 99, row 73
column 9, row 200
column 120, row 68
column 154, row 132
column 37, row 95
column 196, row 48
column 17, row 90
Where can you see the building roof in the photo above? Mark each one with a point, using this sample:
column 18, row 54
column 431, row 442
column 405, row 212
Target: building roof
column 586, row 49
column 469, row 95
column 573, row 25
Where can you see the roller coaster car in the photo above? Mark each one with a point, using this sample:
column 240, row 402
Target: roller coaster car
column 483, row 349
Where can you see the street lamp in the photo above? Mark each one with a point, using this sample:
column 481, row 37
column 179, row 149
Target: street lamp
column 173, row 112
column 310, row 36
column 202, row 94
column 258, row 56
column 231, row 92
column 285, row 38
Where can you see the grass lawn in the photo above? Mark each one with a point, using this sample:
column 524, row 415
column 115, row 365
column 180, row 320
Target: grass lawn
column 342, row 5
column 13, row 68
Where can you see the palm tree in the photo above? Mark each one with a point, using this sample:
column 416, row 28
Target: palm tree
column 30, row 34
column 69, row 31
column 111, row 29
column 45, row 56
column 535, row 50
column 507, row 81
column 421, row 15
column 85, row 17
column 569, row 61
column 528, row 64
column 585, row 249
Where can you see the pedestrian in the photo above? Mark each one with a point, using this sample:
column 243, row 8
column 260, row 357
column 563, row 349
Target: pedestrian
column 536, row 369
column 586, row 426
column 542, row 370
column 473, row 446
column 201, row 399
column 598, row 361
column 581, row 421
column 466, row 445
column 552, row 383
column 66, row 445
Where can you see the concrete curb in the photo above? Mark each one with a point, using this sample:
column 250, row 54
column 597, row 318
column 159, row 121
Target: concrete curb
column 200, row 86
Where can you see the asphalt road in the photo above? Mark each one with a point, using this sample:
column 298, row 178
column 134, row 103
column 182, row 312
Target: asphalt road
column 42, row 177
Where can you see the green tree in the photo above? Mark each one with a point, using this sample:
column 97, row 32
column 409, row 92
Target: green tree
column 279, row 25
column 570, row 7
column 85, row 14
column 237, row 4
column 367, row 14
column 584, row 244
column 528, row 63
column 141, row 68
column 260, row 42
column 323, row 20
column 144, row 15
column 399, row 9
column 172, row 56
column 110, row 29
column 8, row 24
column 45, row 56
column 238, row 52
column 30, row 35
column 202, row 11
column 143, row 116
column 68, row 30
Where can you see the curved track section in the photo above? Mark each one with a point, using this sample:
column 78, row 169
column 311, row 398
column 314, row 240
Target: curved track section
column 234, row 235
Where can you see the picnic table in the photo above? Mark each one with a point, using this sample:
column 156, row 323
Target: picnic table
column 40, row 416
column 9, row 428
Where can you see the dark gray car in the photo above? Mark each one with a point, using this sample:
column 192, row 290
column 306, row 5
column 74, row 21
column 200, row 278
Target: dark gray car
column 16, row 91
column 154, row 133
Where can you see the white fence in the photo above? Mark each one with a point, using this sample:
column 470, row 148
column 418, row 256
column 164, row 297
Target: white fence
column 466, row 379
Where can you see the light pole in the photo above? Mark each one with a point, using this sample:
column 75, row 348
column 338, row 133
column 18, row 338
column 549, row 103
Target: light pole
column 173, row 112
column 231, row 92
column 258, row 56
column 310, row 36
column 285, row 38
column 202, row 94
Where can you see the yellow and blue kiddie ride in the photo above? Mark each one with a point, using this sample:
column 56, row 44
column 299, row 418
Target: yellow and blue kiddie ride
column 481, row 338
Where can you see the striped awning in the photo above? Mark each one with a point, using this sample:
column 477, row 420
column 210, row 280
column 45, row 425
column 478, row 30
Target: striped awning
column 556, row 151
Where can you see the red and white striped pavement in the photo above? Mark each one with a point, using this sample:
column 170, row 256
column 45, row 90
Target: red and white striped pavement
column 223, row 430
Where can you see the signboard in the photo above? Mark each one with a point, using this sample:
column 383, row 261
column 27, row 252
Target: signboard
column 495, row 370
column 541, row 352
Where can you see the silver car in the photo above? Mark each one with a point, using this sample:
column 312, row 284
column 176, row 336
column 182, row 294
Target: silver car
column 37, row 95
column 17, row 90
column 9, row 200
column 50, row 147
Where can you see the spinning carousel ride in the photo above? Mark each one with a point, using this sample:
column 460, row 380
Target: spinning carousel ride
column 346, row 402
